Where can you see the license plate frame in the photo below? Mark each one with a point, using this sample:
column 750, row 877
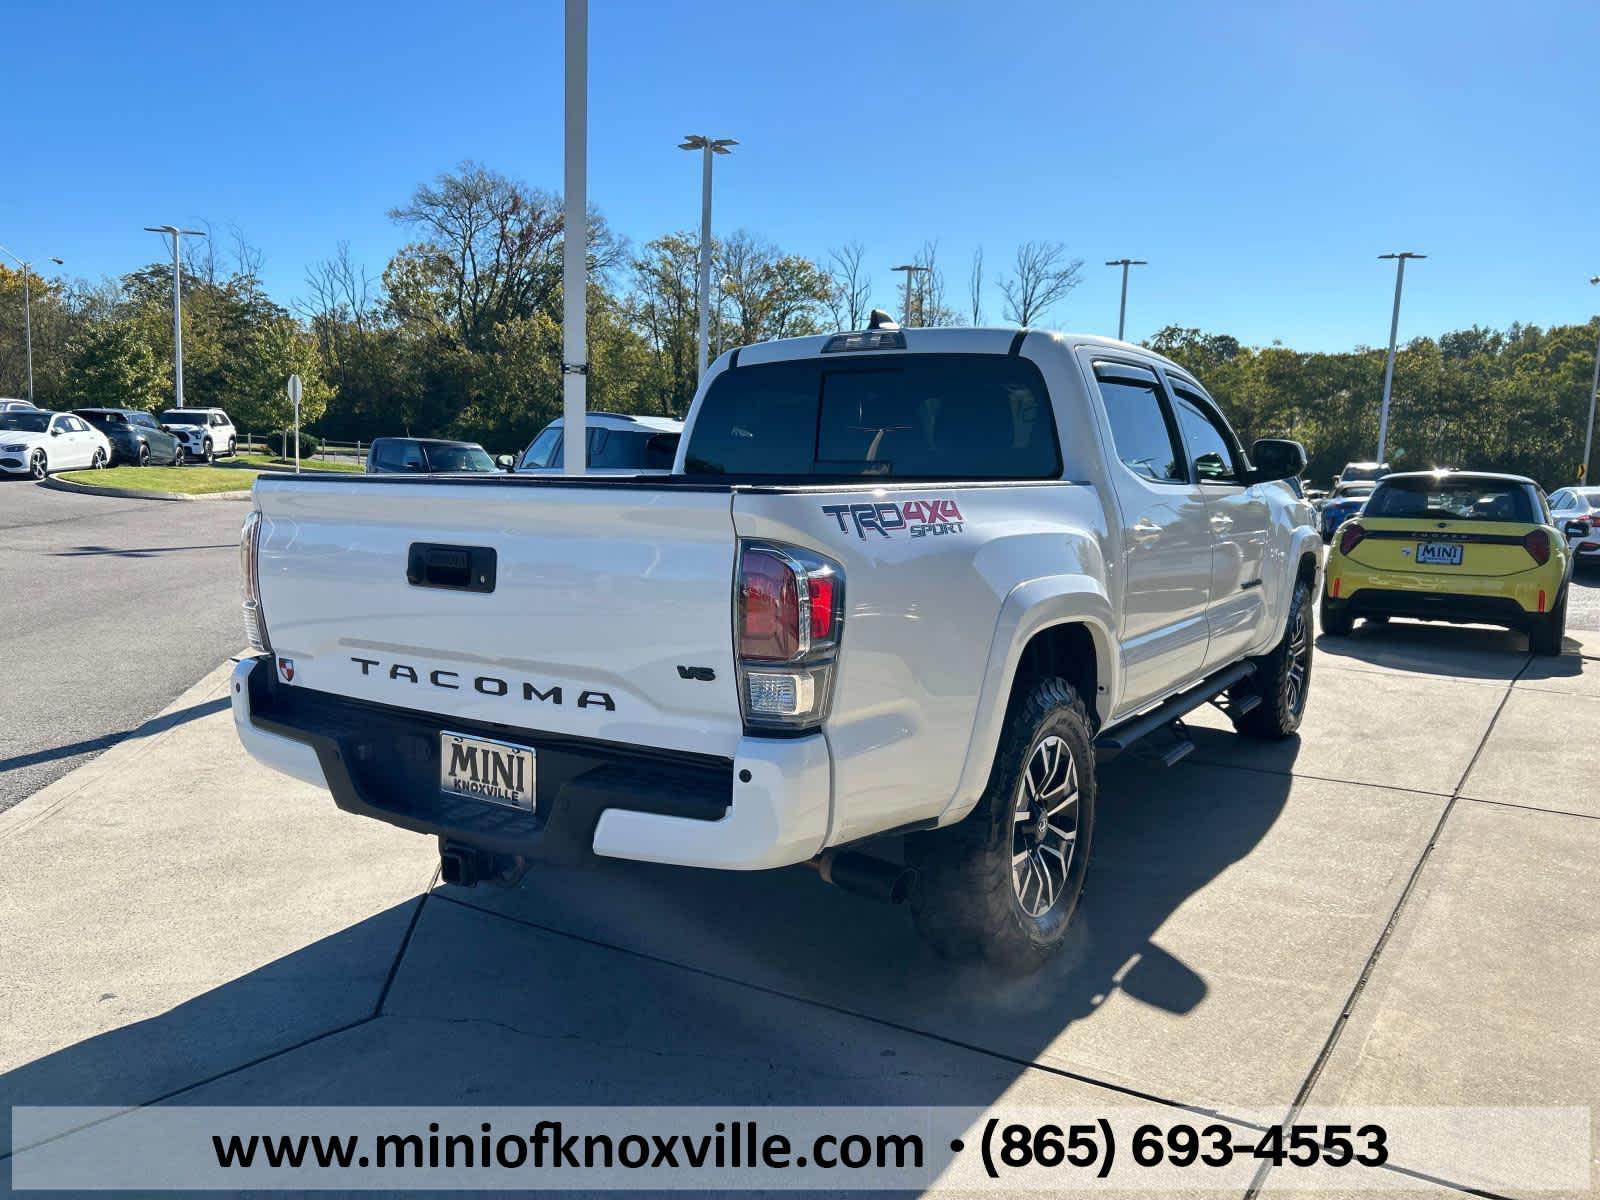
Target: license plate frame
column 487, row 769
column 1439, row 554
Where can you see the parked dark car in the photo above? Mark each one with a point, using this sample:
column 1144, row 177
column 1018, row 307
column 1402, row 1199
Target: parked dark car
column 135, row 436
column 428, row 456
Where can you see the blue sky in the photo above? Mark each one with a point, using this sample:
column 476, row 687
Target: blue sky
column 1259, row 155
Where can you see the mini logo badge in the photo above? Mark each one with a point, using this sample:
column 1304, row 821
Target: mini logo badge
column 286, row 669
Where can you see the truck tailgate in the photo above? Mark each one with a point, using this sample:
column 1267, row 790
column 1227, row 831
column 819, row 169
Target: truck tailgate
column 609, row 615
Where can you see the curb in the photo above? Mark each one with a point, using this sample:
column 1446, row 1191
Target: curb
column 115, row 758
column 88, row 489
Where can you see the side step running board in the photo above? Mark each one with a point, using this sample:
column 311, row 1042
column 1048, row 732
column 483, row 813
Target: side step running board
column 1168, row 711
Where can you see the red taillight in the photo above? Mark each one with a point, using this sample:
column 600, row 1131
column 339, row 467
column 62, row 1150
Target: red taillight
column 769, row 608
column 1537, row 544
column 787, row 624
column 1350, row 536
column 822, row 596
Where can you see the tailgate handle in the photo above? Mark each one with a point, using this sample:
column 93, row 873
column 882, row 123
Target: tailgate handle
column 465, row 568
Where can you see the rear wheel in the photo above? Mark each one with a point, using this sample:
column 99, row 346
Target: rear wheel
column 1550, row 630
column 1003, row 883
column 1334, row 620
column 1283, row 678
column 99, row 460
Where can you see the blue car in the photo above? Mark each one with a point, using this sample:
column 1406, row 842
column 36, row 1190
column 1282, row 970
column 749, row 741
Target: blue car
column 1347, row 500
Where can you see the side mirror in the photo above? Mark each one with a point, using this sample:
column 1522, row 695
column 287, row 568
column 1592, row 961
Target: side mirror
column 505, row 462
column 54, row 432
column 1276, row 458
column 1576, row 528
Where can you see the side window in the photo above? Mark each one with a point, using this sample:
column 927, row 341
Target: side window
column 218, row 419
column 1140, row 428
column 1210, row 449
column 1561, row 501
column 401, row 456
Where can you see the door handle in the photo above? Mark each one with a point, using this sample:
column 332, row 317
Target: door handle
column 1220, row 522
column 1145, row 530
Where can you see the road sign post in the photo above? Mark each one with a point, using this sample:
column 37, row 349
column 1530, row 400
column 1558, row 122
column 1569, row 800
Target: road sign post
column 294, row 398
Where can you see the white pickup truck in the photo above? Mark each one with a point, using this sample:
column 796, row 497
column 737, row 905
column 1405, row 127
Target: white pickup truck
column 899, row 590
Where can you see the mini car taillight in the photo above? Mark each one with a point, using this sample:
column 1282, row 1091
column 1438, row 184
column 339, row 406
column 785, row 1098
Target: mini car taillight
column 1350, row 536
column 788, row 617
column 255, row 620
column 1537, row 543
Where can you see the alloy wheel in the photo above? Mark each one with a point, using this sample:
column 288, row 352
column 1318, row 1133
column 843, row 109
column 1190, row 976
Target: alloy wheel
column 37, row 467
column 1299, row 660
column 1044, row 826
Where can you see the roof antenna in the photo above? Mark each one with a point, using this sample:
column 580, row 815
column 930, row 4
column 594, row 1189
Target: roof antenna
column 881, row 320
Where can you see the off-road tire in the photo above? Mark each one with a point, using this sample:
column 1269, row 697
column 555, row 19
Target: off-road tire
column 966, row 903
column 1281, row 689
column 1334, row 622
column 1548, row 633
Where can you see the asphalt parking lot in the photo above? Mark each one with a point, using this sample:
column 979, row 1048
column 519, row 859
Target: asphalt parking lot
column 111, row 608
column 1395, row 908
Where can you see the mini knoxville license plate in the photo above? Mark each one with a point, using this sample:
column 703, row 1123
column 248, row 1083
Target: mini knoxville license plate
column 1442, row 554
column 484, row 769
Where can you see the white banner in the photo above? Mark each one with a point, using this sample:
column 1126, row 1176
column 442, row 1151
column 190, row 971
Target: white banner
column 1132, row 1148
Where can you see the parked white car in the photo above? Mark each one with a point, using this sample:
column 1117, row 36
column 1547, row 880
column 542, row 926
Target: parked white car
column 8, row 404
column 901, row 585
column 1575, row 506
column 206, row 433
column 616, row 444
column 36, row 442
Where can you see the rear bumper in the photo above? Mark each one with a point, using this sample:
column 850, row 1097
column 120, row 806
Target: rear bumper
column 1435, row 606
column 766, row 807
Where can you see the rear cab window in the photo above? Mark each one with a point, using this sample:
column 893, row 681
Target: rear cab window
column 903, row 416
column 1456, row 499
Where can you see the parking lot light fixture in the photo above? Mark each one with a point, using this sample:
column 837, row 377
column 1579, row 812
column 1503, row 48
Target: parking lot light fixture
column 1394, row 327
column 177, row 302
column 1594, row 399
column 911, row 269
column 1122, row 309
column 27, row 309
column 708, row 147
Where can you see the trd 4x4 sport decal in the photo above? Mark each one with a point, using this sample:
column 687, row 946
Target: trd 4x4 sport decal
column 924, row 518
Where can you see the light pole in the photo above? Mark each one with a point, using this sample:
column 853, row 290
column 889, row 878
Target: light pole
column 1394, row 328
column 1122, row 310
column 27, row 310
column 1594, row 398
column 708, row 147
column 910, row 269
column 575, row 246
column 177, row 302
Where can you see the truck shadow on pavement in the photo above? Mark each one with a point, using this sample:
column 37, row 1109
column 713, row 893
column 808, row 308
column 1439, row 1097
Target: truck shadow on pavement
column 629, row 983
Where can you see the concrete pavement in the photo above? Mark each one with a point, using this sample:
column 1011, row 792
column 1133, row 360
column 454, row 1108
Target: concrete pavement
column 108, row 609
column 1396, row 908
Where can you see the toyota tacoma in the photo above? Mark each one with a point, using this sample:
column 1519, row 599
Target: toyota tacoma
column 898, row 593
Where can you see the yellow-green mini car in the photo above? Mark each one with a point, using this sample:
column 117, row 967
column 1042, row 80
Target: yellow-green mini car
column 1465, row 546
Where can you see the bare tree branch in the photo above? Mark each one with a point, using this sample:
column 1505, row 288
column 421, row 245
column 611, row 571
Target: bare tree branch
column 1043, row 275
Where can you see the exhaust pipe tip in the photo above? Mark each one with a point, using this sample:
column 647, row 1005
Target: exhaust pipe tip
column 863, row 875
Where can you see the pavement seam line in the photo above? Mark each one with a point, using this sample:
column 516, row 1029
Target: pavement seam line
column 1555, row 812
column 189, row 1087
column 1343, row 1019
column 884, row 1022
column 405, row 943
